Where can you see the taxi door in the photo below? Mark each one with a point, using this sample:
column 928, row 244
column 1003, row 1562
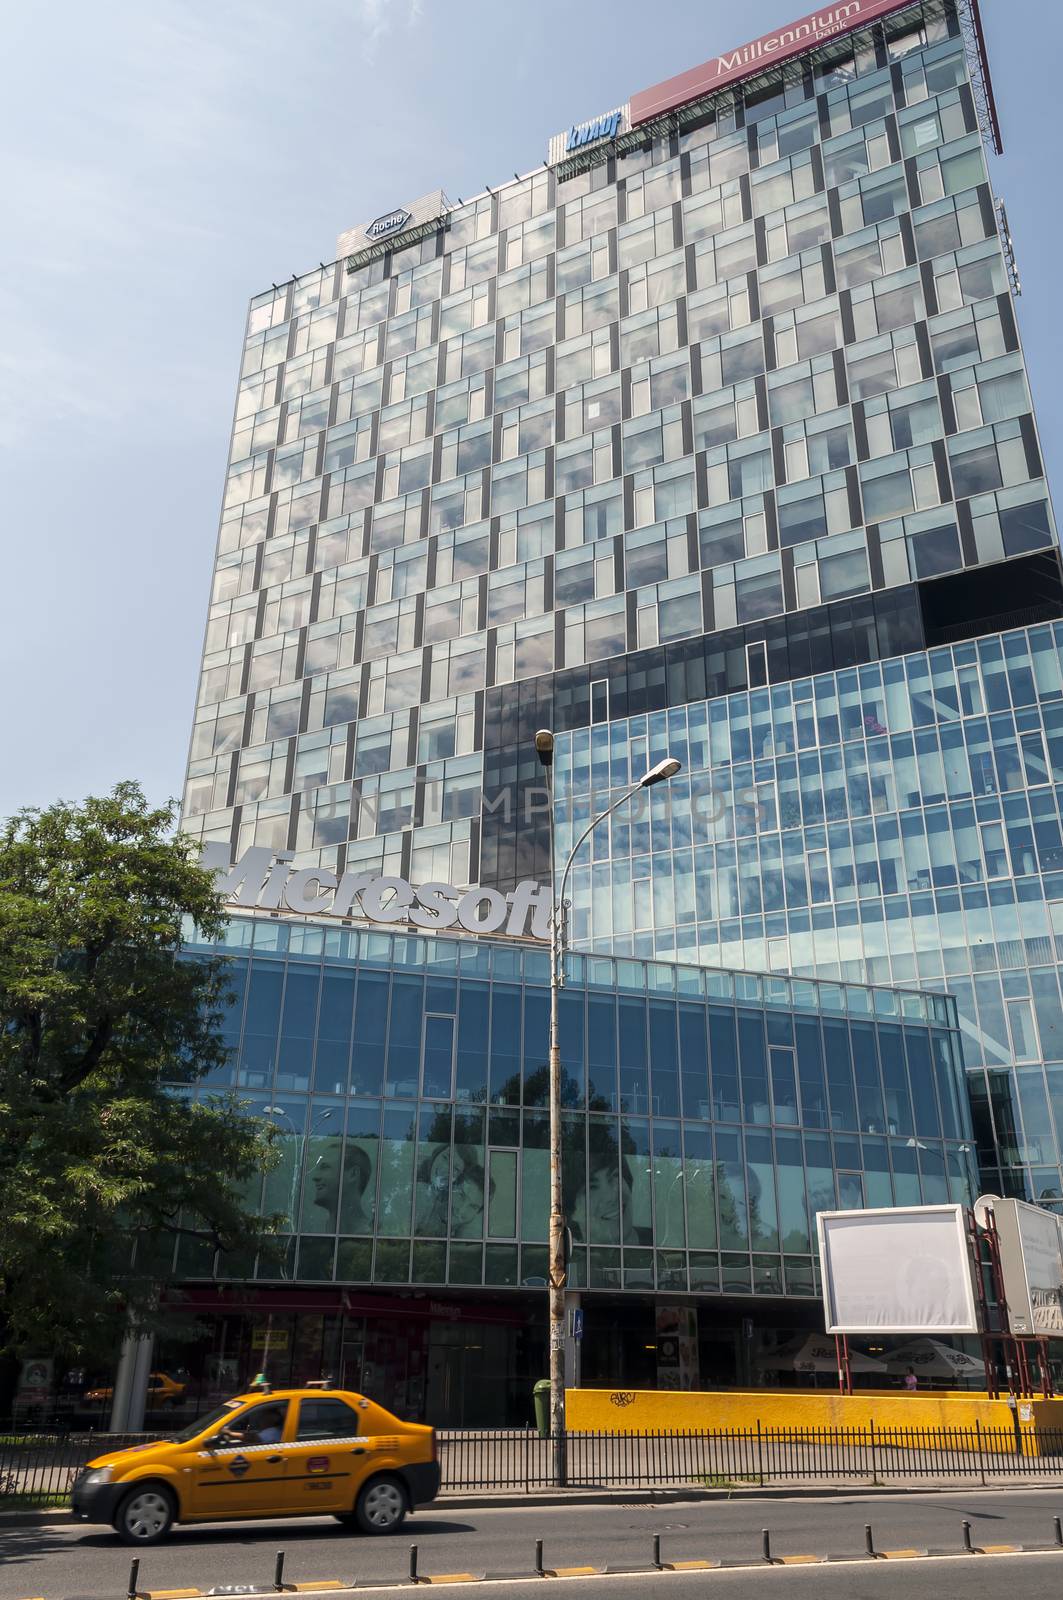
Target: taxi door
column 328, row 1455
column 242, row 1470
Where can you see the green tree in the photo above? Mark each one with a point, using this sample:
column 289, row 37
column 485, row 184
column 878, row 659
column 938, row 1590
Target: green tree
column 103, row 1161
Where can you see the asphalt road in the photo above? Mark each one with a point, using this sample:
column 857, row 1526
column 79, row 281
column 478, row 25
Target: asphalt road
column 57, row 1561
column 1032, row 1577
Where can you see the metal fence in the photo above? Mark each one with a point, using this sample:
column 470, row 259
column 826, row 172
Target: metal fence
column 38, row 1470
column 754, row 1457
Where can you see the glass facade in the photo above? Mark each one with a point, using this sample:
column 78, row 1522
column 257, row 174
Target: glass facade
column 895, row 823
column 763, row 363
column 715, row 441
column 708, row 1114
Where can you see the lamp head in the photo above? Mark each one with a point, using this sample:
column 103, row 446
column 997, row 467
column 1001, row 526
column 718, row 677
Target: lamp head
column 661, row 772
column 544, row 747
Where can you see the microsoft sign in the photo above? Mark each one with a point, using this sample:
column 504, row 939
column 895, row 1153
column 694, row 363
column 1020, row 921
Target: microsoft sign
column 265, row 880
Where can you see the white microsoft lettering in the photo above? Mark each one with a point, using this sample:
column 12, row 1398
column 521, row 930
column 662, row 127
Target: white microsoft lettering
column 265, row 879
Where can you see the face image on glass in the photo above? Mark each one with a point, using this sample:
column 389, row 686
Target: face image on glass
column 337, row 1186
column 606, row 1212
column 433, row 1191
column 467, row 1192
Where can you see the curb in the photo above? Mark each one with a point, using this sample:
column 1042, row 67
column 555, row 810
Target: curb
column 509, row 1500
column 505, row 1499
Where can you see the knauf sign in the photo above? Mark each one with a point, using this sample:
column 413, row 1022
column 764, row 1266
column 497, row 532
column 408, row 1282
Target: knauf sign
column 601, row 128
column 582, row 134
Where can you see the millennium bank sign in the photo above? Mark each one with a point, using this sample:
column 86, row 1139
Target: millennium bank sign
column 767, row 51
column 265, row 880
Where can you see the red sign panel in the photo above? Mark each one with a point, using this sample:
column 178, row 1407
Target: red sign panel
column 758, row 56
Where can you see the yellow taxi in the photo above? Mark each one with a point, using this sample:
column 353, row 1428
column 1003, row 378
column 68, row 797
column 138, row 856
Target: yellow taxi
column 279, row 1453
column 162, row 1390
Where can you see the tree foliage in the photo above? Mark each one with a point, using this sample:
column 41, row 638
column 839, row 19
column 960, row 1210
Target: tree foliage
column 106, row 1151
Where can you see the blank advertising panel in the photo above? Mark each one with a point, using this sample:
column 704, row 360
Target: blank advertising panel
column 1031, row 1257
column 901, row 1270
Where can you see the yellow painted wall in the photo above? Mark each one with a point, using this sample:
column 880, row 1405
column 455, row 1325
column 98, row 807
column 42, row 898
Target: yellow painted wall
column 647, row 1410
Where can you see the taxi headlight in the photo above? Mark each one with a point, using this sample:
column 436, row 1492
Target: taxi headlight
column 97, row 1475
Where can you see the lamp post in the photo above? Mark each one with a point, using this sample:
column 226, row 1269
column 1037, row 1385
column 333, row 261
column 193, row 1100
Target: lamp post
column 556, row 1264
column 299, row 1161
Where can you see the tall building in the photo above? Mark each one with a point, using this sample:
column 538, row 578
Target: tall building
column 710, row 437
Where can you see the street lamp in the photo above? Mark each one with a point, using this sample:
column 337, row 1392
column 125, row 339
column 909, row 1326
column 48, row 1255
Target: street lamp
column 299, row 1150
column 556, row 1266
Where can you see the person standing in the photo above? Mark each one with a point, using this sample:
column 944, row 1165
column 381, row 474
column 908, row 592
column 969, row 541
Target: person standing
column 911, row 1382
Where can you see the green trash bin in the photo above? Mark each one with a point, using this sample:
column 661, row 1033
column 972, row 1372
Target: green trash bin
column 541, row 1398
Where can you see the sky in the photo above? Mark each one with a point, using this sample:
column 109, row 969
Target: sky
column 164, row 162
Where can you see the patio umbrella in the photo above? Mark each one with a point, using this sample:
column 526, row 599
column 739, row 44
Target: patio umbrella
column 931, row 1359
column 814, row 1353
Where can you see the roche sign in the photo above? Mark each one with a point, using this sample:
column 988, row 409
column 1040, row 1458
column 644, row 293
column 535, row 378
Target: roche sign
column 265, row 880
column 390, row 222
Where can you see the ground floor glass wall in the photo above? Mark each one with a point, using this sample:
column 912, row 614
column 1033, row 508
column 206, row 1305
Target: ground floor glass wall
column 707, row 1116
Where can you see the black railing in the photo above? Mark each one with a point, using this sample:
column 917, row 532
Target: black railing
column 38, row 1470
column 752, row 1457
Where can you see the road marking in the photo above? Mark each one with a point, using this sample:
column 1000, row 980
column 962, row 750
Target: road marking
column 332, row 1586
column 398, row 1587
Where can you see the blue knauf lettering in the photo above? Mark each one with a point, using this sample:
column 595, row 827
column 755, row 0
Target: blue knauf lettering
column 589, row 132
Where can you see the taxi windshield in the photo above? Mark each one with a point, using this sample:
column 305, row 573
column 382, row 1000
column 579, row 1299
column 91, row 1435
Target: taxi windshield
column 204, row 1422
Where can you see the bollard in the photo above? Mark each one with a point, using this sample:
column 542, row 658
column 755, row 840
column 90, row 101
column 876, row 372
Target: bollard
column 413, row 1564
column 967, row 1545
column 765, row 1544
column 278, row 1572
column 869, row 1539
column 134, row 1574
column 539, row 1573
column 657, row 1551
column 1059, row 1530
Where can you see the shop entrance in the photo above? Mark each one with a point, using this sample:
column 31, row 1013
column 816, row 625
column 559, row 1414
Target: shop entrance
column 480, row 1375
column 446, row 1383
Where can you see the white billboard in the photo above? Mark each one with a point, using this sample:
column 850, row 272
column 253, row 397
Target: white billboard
column 906, row 1269
column 1031, row 1258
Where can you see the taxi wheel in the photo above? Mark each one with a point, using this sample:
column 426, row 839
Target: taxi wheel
column 146, row 1515
column 381, row 1506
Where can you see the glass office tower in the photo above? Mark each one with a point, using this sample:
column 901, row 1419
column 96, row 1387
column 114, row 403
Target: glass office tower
column 711, row 435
